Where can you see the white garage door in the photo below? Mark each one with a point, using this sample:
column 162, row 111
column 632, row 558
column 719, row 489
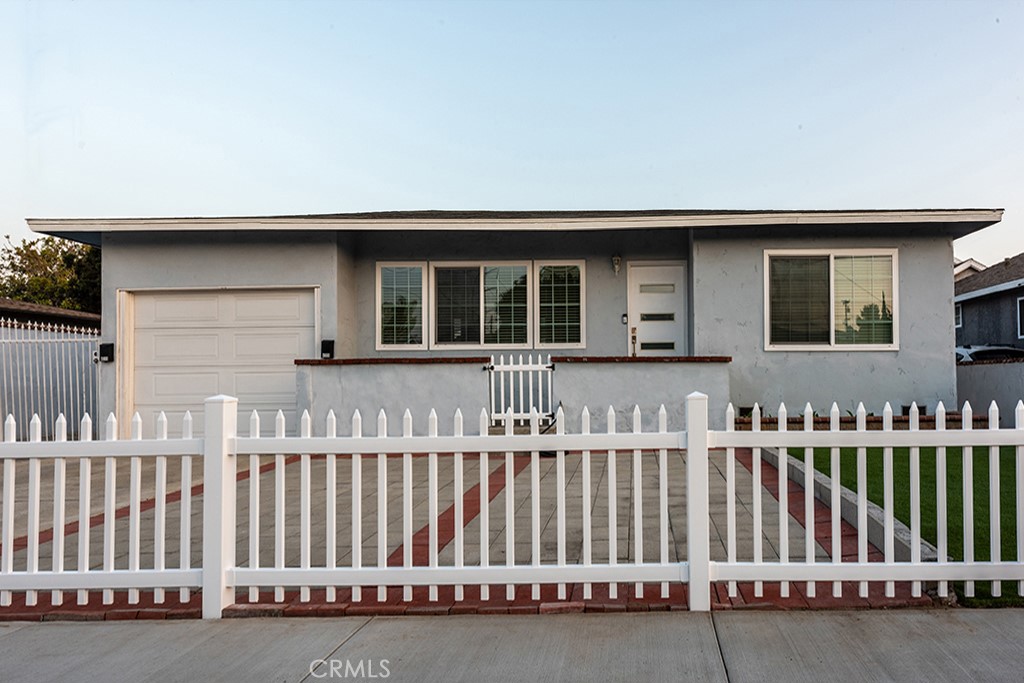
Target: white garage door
column 190, row 345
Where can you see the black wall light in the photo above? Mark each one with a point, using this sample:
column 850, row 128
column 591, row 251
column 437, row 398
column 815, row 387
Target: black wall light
column 106, row 353
column 327, row 349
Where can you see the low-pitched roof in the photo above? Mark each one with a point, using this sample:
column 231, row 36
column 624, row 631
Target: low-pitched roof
column 956, row 222
column 24, row 310
column 1007, row 274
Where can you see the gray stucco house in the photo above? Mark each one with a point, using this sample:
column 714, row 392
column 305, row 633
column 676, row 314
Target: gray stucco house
column 989, row 305
column 632, row 306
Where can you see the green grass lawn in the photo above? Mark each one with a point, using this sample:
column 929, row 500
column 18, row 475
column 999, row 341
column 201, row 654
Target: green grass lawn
column 955, row 503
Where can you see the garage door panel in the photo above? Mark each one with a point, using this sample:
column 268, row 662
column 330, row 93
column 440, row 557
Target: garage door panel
column 170, row 387
column 289, row 308
column 192, row 345
column 253, row 345
column 181, row 347
column 174, row 308
column 172, row 347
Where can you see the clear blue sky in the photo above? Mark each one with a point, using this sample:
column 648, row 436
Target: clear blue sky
column 227, row 108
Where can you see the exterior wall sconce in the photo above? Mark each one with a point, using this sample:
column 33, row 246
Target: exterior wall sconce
column 105, row 353
column 616, row 263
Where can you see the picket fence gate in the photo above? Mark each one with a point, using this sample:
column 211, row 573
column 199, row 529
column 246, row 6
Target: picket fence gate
column 228, row 457
column 520, row 388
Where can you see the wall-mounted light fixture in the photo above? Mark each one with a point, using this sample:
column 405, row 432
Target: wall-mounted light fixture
column 327, row 349
column 616, row 263
column 105, row 353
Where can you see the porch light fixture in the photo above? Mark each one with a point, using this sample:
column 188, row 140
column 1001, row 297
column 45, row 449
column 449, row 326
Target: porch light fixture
column 327, row 349
column 616, row 263
column 105, row 353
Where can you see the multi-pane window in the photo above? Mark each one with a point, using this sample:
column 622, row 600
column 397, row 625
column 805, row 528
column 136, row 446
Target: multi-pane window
column 457, row 305
column 958, row 316
column 481, row 304
column 401, row 305
column 559, row 304
column 506, row 308
column 831, row 299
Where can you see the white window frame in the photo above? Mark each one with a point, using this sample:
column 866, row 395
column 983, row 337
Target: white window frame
column 579, row 263
column 958, row 316
column 434, row 265
column 1019, row 335
column 429, row 319
column 831, row 345
column 380, row 346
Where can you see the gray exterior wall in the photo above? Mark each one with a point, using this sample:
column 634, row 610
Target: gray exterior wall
column 606, row 291
column 193, row 260
column 729, row 320
column 648, row 385
column 982, row 383
column 990, row 320
column 726, row 316
column 395, row 388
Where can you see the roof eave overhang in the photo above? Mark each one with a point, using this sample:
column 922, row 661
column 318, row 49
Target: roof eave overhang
column 980, row 217
column 988, row 291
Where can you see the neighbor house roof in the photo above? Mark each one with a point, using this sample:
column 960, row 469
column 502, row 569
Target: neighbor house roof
column 999, row 277
column 967, row 267
column 957, row 222
column 25, row 311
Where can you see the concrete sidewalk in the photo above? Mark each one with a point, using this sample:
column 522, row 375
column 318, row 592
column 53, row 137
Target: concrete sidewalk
column 904, row 645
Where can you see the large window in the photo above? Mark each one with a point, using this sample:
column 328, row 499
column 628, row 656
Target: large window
column 502, row 317
column 840, row 299
column 463, row 305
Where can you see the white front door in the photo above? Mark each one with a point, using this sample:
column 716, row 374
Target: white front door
column 657, row 309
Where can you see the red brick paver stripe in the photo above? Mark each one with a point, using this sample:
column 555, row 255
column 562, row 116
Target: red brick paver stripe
column 446, row 520
column 823, row 598
column 46, row 535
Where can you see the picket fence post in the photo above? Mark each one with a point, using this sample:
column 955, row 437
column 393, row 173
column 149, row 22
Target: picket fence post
column 698, row 528
column 219, row 468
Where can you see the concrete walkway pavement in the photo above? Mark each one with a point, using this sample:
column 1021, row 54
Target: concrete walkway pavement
column 902, row 645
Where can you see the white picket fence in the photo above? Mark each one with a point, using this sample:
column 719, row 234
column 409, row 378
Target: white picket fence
column 47, row 369
column 522, row 387
column 674, row 459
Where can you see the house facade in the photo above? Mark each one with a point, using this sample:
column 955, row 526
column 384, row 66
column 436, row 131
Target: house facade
column 401, row 310
column 989, row 305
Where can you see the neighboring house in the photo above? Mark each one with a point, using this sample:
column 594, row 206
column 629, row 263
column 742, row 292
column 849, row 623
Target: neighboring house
column 633, row 306
column 25, row 312
column 989, row 306
column 966, row 268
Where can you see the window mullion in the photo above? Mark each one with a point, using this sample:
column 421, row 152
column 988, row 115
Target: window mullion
column 832, row 299
column 483, row 305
